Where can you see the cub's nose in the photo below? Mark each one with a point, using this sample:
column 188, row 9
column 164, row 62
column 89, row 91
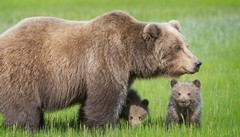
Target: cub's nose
column 198, row 64
column 183, row 101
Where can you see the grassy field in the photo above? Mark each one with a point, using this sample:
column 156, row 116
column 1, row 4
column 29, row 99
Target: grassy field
column 212, row 28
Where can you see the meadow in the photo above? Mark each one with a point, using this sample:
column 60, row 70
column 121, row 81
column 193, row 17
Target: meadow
column 212, row 28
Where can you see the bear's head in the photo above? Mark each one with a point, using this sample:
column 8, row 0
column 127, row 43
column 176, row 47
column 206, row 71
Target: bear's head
column 185, row 93
column 169, row 54
column 137, row 112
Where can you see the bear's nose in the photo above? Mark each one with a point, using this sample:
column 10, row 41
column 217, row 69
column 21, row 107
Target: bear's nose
column 198, row 64
column 183, row 101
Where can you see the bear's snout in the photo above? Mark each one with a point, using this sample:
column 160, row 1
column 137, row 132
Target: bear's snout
column 197, row 65
column 184, row 102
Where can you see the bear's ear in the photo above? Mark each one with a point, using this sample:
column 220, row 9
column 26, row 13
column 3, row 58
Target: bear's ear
column 197, row 83
column 175, row 24
column 173, row 82
column 151, row 32
column 145, row 102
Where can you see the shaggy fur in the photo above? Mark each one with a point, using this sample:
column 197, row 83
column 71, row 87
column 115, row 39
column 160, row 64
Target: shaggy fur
column 185, row 103
column 135, row 110
column 48, row 64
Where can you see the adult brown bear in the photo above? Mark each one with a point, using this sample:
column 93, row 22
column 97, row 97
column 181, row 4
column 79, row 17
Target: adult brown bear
column 49, row 63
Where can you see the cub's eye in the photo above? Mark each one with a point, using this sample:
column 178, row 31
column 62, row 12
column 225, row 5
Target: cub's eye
column 130, row 117
column 179, row 93
column 140, row 118
column 189, row 94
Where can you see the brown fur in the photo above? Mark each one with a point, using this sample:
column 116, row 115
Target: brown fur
column 48, row 63
column 135, row 110
column 185, row 103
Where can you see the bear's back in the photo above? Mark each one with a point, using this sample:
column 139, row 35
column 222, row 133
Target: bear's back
column 39, row 26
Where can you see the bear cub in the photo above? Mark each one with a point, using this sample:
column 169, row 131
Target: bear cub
column 185, row 105
column 135, row 110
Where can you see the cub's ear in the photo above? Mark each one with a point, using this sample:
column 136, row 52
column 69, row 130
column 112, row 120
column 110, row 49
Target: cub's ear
column 175, row 24
column 173, row 82
column 145, row 102
column 197, row 83
column 151, row 32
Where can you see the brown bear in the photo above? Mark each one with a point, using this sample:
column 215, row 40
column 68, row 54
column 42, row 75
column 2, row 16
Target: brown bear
column 48, row 64
column 135, row 110
column 185, row 104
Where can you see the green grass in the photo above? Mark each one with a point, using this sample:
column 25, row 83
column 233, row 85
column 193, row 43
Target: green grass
column 212, row 28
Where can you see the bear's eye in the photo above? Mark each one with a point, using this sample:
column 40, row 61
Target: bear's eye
column 179, row 93
column 130, row 117
column 140, row 118
column 178, row 48
column 189, row 94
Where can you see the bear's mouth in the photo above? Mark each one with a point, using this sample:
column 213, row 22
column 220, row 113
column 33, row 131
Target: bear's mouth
column 190, row 72
column 185, row 104
column 196, row 69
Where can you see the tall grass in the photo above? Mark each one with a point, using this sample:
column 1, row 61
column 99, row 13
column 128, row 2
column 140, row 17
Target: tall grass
column 212, row 29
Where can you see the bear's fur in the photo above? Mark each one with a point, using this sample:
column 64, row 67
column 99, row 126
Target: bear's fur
column 185, row 104
column 135, row 110
column 48, row 64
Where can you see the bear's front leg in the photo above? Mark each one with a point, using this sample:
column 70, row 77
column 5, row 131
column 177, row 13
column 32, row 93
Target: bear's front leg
column 195, row 119
column 172, row 117
column 103, row 104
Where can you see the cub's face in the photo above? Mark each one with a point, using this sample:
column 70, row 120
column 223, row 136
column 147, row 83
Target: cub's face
column 137, row 113
column 185, row 93
column 171, row 49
